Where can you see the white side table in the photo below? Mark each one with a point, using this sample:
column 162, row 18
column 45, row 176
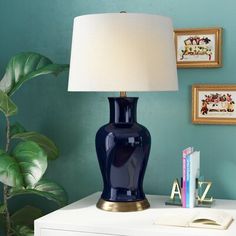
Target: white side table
column 82, row 218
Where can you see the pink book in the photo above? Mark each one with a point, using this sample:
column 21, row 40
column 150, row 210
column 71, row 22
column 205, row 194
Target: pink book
column 185, row 153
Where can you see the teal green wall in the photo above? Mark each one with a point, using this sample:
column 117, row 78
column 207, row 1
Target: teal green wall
column 72, row 119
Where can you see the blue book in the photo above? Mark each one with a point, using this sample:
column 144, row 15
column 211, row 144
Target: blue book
column 188, row 159
column 186, row 152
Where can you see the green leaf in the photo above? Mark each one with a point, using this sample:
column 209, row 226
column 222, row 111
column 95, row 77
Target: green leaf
column 26, row 216
column 7, row 106
column 45, row 188
column 25, row 167
column 23, row 230
column 32, row 161
column 16, row 128
column 10, row 173
column 25, row 66
column 44, row 142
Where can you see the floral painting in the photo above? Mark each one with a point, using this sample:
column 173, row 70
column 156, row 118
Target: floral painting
column 214, row 104
column 217, row 104
column 198, row 47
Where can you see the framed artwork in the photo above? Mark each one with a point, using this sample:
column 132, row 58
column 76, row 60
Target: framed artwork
column 213, row 104
column 198, row 47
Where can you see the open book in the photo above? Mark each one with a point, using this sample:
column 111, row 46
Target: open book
column 214, row 219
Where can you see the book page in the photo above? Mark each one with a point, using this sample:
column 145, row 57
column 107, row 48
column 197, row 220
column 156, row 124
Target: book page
column 215, row 219
column 211, row 219
column 174, row 217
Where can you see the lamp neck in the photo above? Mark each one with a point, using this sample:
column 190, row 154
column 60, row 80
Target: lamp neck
column 123, row 109
column 123, row 94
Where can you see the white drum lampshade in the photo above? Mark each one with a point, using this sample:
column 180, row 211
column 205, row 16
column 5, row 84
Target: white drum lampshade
column 122, row 52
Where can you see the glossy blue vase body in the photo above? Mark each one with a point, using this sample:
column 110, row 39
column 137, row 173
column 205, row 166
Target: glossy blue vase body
column 123, row 148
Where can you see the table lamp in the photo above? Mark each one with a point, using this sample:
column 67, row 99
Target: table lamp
column 122, row 52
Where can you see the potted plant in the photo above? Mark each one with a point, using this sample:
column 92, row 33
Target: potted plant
column 24, row 161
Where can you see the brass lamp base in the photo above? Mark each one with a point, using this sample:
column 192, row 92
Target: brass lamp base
column 123, row 206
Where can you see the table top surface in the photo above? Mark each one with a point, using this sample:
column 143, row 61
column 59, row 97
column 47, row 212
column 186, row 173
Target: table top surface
column 84, row 216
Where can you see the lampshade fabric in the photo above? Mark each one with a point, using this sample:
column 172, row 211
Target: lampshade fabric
column 122, row 52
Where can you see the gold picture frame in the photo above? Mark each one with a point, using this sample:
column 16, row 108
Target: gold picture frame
column 198, row 47
column 214, row 104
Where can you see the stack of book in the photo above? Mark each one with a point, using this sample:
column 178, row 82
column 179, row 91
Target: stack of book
column 191, row 173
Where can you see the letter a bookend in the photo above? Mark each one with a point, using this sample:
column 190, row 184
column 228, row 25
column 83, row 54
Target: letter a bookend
column 175, row 196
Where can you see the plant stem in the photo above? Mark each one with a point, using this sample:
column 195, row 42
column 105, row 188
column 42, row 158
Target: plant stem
column 7, row 134
column 5, row 187
column 7, row 214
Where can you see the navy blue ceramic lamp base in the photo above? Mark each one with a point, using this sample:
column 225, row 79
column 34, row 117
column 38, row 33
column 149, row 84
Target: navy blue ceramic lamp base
column 123, row 148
